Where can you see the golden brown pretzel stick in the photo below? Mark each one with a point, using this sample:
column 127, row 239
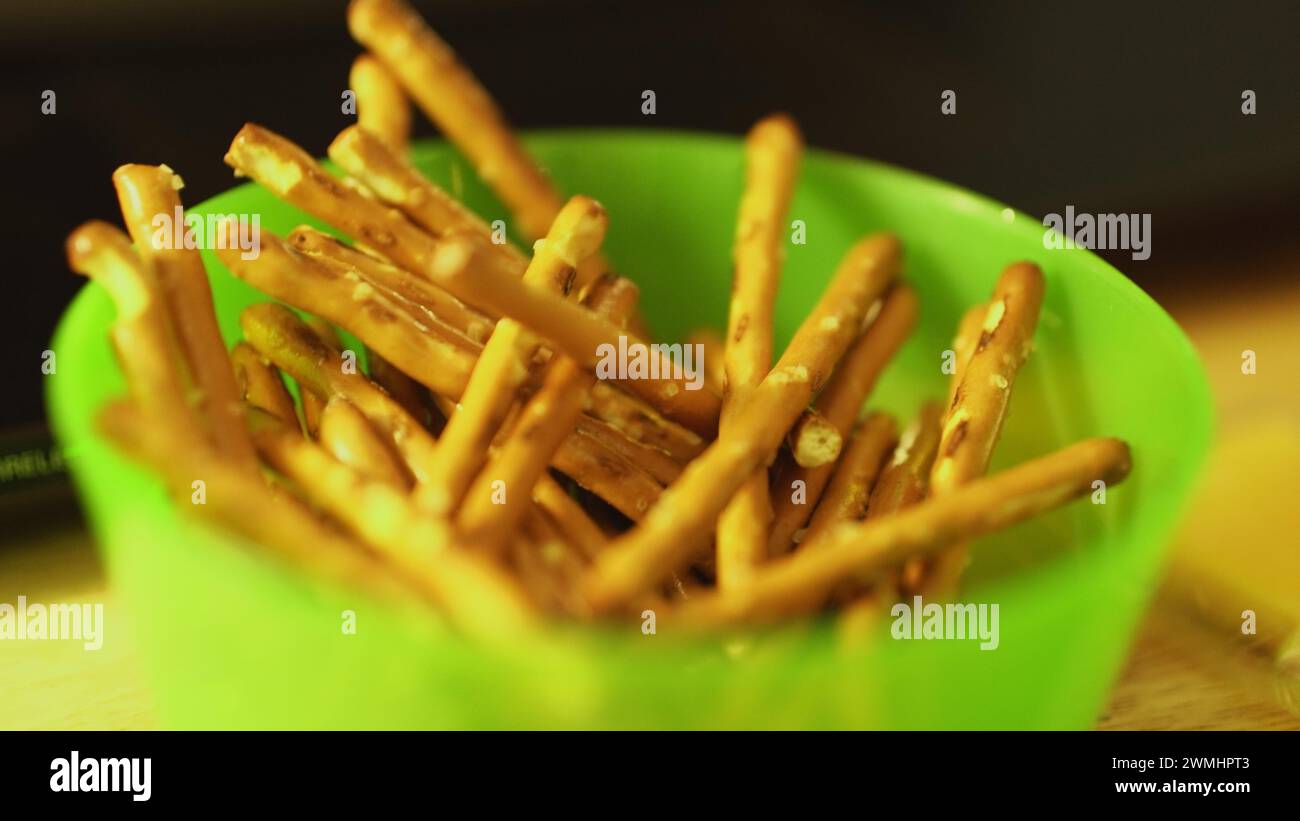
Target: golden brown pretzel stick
column 906, row 479
column 578, row 333
column 411, row 395
column 292, row 175
column 294, row 348
column 505, row 362
column 624, row 486
column 151, row 209
column 569, row 518
column 659, row 465
column 240, row 501
column 963, row 344
column 801, row 581
column 846, row 497
column 639, row 422
column 347, row 435
column 474, row 325
column 676, row 527
column 903, row 482
column 376, row 317
column 399, row 184
column 814, row 440
column 261, row 384
column 455, row 101
column 544, row 422
column 312, row 405
column 840, row 402
column 382, row 108
column 477, row 596
column 973, row 421
column 772, row 152
column 715, row 372
column 147, row 350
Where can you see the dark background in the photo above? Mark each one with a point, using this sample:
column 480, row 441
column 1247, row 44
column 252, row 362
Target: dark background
column 1108, row 106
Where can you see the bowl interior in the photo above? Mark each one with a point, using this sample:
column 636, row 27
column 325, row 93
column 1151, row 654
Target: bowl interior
column 234, row 641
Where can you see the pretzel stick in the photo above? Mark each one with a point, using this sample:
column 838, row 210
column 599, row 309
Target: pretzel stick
column 453, row 99
column 382, row 108
column 772, row 152
column 478, row 598
column 474, row 325
column 261, row 384
column 504, row 364
column 906, row 479
column 902, row 484
column 636, row 420
column 659, row 465
column 544, row 422
column 411, row 395
column 715, row 372
column 292, row 175
column 398, row 183
column 285, row 340
column 846, row 497
column 151, row 205
column 576, row 332
column 347, row 435
column 240, row 502
column 676, row 527
column 963, row 344
column 839, row 403
column 147, row 350
column 375, row 317
column 974, row 419
column 799, row 582
column 624, row 486
column 814, row 440
column 569, row 517
column 312, row 405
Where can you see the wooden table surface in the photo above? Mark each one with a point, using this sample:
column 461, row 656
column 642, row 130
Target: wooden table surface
column 1180, row 675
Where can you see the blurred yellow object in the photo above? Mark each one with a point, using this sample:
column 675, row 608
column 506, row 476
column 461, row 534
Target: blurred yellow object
column 1237, row 555
column 1236, row 560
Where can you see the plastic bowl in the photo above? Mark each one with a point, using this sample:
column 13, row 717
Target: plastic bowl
column 232, row 640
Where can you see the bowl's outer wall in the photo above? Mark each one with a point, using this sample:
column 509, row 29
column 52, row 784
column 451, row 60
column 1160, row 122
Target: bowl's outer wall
column 233, row 641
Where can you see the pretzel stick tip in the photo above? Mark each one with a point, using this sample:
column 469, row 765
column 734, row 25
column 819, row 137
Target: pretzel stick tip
column 815, row 440
column 382, row 108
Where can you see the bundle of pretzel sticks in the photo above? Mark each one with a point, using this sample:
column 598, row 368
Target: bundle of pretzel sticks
column 477, row 464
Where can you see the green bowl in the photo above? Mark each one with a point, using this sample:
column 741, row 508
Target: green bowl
column 233, row 640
